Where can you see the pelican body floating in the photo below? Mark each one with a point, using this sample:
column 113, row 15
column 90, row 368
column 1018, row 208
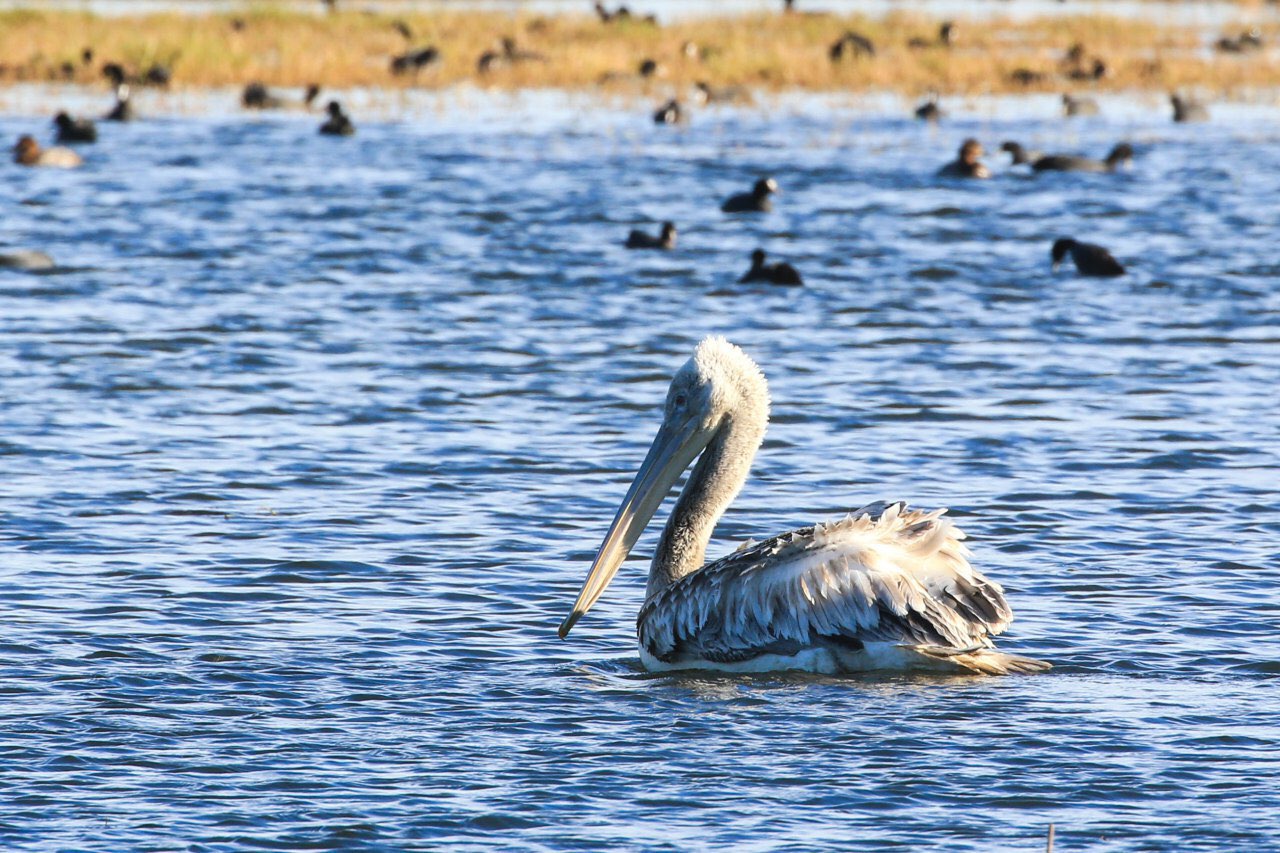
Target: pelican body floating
column 884, row 588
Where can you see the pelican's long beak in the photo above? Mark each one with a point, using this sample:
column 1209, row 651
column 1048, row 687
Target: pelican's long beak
column 672, row 451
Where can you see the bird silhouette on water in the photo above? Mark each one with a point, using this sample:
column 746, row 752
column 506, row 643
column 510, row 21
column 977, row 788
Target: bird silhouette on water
column 966, row 164
column 669, row 113
column 930, row 110
column 756, row 201
column 1119, row 157
column 338, row 123
column 708, row 94
column 71, row 130
column 1079, row 106
column 778, row 273
column 1090, row 259
column 1020, row 155
column 122, row 110
column 1187, row 110
column 27, row 152
column 666, row 238
column 25, row 259
column 256, row 96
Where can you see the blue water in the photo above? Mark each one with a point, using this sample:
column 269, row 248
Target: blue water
column 308, row 444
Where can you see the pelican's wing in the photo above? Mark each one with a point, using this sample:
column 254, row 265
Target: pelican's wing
column 884, row 573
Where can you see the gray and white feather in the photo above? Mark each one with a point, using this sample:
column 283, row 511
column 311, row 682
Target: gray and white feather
column 883, row 588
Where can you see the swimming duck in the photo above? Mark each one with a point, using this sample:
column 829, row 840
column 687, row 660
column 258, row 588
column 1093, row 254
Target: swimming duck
column 256, row 96
column 1119, row 156
column 638, row 239
column 25, row 259
column 669, row 113
column 708, row 94
column 1020, row 155
column 123, row 109
column 779, row 273
column 1089, row 259
column 1073, row 106
column 75, row 129
column 158, row 75
column 756, row 201
column 338, row 123
column 27, row 152
column 966, row 164
column 1185, row 109
column 930, row 110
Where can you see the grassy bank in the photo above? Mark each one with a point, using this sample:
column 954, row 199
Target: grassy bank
column 774, row 51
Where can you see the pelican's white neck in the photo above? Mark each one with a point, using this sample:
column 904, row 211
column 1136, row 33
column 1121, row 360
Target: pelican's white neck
column 739, row 389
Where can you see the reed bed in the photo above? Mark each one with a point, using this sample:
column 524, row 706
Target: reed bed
column 766, row 51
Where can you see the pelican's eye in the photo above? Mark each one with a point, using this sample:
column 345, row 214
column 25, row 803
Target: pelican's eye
column 680, row 401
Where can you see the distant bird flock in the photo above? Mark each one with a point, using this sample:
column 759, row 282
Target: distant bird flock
column 850, row 46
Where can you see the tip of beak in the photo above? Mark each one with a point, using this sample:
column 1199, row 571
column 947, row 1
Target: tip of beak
column 567, row 625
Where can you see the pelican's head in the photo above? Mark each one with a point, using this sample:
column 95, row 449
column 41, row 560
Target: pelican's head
column 717, row 382
column 718, row 385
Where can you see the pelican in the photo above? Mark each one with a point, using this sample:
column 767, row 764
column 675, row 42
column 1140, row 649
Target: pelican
column 883, row 588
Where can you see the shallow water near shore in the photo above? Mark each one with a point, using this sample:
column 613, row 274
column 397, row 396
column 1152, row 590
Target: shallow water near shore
column 309, row 444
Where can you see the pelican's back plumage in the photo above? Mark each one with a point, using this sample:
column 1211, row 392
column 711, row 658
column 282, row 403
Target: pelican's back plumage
column 885, row 581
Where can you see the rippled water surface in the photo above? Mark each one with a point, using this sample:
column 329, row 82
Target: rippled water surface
column 308, row 444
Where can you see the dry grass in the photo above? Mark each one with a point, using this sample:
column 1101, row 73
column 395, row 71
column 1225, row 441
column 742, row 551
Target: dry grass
column 349, row 49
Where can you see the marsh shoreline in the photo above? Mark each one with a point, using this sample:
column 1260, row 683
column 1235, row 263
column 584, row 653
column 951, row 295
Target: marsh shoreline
column 764, row 52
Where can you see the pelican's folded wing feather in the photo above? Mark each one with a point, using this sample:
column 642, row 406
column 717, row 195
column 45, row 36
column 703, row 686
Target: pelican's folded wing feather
column 884, row 573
